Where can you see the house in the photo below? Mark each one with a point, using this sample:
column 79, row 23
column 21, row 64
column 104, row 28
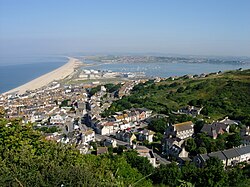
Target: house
column 245, row 140
column 174, row 138
column 105, row 128
column 229, row 121
column 244, row 153
column 146, row 135
column 200, row 160
column 215, row 129
column 229, row 157
column 220, row 155
column 245, row 131
column 37, row 117
column 181, row 130
column 145, row 152
column 245, row 135
column 174, row 147
column 101, row 150
column 146, row 111
column 125, row 136
column 124, row 125
column 190, row 110
column 88, row 136
column 232, row 155
column 110, row 142
column 56, row 119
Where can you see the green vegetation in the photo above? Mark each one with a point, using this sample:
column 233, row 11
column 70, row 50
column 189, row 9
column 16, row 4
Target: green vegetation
column 64, row 103
column 158, row 125
column 49, row 129
column 112, row 87
column 94, row 90
column 221, row 95
column 142, row 164
column 213, row 174
column 109, row 87
column 27, row 159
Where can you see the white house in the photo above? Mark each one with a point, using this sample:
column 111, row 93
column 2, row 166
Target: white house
column 56, row 119
column 181, row 130
column 124, row 125
column 228, row 157
column 88, row 136
column 244, row 153
column 146, row 135
column 105, row 128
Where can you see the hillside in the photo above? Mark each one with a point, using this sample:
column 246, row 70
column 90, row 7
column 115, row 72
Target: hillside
column 225, row 94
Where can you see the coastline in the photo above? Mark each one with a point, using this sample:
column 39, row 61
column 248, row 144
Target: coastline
column 57, row 74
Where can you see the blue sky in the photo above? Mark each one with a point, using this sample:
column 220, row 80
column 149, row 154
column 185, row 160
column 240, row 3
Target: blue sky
column 198, row 27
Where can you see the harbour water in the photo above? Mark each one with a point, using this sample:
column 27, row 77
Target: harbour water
column 17, row 71
column 161, row 69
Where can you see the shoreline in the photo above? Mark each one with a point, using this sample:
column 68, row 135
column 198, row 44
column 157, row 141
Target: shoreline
column 55, row 75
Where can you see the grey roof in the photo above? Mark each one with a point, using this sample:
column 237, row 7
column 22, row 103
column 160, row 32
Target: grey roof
column 207, row 129
column 217, row 154
column 231, row 153
column 214, row 127
column 172, row 140
column 229, row 121
column 204, row 157
column 243, row 150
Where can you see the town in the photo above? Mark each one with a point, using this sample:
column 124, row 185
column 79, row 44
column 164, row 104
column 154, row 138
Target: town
column 73, row 115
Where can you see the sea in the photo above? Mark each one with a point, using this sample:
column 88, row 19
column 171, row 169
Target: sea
column 15, row 71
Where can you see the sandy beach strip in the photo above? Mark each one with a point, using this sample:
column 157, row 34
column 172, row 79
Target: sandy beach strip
column 57, row 74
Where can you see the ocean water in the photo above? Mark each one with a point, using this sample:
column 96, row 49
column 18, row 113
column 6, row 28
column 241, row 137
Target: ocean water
column 166, row 69
column 15, row 71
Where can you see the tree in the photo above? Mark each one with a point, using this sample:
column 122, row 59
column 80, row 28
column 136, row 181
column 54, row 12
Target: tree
column 236, row 177
column 157, row 137
column 233, row 140
column 167, row 175
column 213, row 174
column 142, row 164
column 198, row 126
column 190, row 172
column 27, row 159
column 158, row 125
column 190, row 145
column 180, row 89
column 202, row 150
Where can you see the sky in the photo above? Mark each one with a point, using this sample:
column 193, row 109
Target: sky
column 192, row 27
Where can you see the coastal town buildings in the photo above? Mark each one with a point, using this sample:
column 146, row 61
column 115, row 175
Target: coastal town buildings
column 174, row 138
column 228, row 157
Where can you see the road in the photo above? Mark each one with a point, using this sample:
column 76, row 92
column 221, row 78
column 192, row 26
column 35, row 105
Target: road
column 102, row 137
column 161, row 160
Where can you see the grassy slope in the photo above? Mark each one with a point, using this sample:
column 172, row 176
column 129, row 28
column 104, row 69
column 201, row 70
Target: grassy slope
column 221, row 95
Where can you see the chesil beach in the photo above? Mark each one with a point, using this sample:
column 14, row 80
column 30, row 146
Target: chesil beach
column 57, row 74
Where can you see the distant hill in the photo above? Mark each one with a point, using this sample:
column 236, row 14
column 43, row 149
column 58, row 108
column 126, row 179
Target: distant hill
column 221, row 94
